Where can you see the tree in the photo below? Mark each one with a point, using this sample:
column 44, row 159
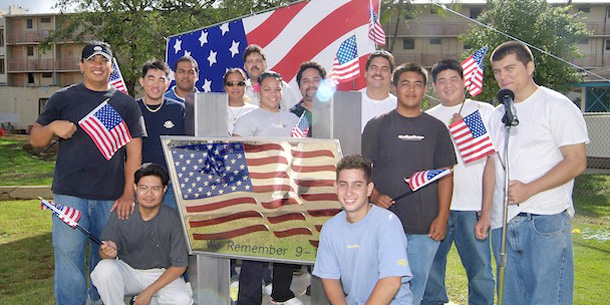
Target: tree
column 397, row 11
column 137, row 29
column 551, row 28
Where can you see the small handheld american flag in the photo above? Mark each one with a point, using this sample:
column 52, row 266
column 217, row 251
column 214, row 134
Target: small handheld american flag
column 376, row 32
column 346, row 66
column 471, row 137
column 301, row 129
column 473, row 71
column 116, row 78
column 69, row 215
column 106, row 128
column 423, row 178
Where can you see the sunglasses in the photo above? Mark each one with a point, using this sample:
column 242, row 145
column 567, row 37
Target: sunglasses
column 237, row 83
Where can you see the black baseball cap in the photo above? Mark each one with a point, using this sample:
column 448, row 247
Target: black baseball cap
column 95, row 48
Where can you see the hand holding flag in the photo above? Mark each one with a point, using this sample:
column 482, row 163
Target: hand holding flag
column 422, row 178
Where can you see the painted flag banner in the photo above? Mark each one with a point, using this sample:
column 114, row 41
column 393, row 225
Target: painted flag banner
column 473, row 72
column 376, row 32
column 345, row 65
column 69, row 215
column 471, row 137
column 116, row 78
column 308, row 30
column 106, row 128
column 301, row 129
column 423, row 178
column 256, row 198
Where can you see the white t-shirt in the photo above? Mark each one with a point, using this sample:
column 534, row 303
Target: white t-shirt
column 234, row 113
column 548, row 120
column 372, row 108
column 289, row 98
column 263, row 123
column 467, row 179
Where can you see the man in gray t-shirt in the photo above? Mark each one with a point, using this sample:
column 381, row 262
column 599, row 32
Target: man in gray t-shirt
column 400, row 143
column 150, row 246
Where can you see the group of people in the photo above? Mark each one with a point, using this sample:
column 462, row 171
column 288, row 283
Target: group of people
column 386, row 246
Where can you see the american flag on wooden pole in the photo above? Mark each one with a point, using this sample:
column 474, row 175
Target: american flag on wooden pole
column 473, row 72
column 116, row 78
column 106, row 128
column 376, row 32
column 471, row 137
column 345, row 65
column 301, row 129
column 422, row 178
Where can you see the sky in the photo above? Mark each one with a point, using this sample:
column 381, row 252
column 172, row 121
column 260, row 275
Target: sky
column 33, row 6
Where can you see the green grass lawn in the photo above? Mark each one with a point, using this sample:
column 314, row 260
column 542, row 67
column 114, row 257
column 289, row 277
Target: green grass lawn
column 18, row 167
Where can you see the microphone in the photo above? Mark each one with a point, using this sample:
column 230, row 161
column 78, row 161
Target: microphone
column 506, row 97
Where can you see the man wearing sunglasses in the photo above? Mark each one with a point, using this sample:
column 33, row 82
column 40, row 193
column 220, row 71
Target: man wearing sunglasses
column 163, row 116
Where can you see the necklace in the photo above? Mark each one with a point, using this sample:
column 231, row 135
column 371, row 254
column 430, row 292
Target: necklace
column 279, row 118
column 236, row 116
column 153, row 110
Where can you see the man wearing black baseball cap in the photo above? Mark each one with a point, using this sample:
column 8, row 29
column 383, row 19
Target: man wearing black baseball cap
column 93, row 173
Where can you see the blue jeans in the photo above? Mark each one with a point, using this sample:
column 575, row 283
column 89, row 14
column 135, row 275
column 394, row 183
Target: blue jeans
column 540, row 259
column 70, row 249
column 420, row 252
column 169, row 199
column 475, row 256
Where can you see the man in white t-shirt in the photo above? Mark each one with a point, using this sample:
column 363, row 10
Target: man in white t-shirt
column 470, row 213
column 546, row 152
column 255, row 63
column 376, row 97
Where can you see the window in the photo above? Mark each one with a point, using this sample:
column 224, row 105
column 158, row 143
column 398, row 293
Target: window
column 42, row 102
column 408, row 43
column 475, row 12
column 30, row 50
column 607, row 44
column 45, row 20
column 585, row 10
column 608, row 12
column 1, row 65
column 30, row 78
column 47, row 74
column 433, row 10
column 1, row 37
column 584, row 41
column 435, row 40
column 30, row 23
column 467, row 46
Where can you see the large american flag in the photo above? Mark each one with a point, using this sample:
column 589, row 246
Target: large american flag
column 376, row 32
column 69, row 215
column 422, row 178
column 106, row 128
column 116, row 79
column 301, row 129
column 471, row 137
column 309, row 30
column 473, row 71
column 345, row 65
column 236, row 189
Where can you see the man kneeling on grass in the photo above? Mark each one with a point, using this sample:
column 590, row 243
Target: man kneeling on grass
column 362, row 255
column 150, row 245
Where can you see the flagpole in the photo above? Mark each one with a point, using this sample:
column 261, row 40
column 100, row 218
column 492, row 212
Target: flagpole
column 503, row 259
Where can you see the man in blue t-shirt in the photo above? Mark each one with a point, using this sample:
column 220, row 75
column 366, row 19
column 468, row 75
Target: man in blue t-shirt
column 163, row 116
column 362, row 256
column 186, row 73
column 89, row 176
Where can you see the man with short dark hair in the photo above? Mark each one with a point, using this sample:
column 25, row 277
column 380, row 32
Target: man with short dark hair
column 400, row 143
column 470, row 213
column 255, row 63
column 376, row 97
column 89, row 176
column 163, row 116
column 362, row 254
column 146, row 254
column 547, row 151
column 186, row 74
column 310, row 76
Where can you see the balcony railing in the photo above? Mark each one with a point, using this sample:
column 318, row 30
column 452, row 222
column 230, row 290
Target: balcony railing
column 26, row 36
column 20, row 65
column 427, row 59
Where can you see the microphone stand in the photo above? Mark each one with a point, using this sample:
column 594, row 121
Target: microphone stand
column 502, row 261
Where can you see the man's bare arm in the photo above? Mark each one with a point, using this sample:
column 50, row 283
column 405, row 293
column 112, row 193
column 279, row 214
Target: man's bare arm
column 41, row 136
column 438, row 228
column 125, row 203
column 334, row 291
column 384, row 291
column 489, row 183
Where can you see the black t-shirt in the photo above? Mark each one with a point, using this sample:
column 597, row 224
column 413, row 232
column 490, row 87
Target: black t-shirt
column 400, row 146
column 81, row 170
column 168, row 120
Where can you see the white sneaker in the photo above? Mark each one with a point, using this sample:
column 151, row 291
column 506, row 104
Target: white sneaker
column 293, row 301
column 267, row 289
